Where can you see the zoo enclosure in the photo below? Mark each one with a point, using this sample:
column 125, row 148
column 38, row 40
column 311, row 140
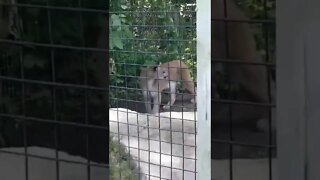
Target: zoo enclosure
column 290, row 43
column 144, row 34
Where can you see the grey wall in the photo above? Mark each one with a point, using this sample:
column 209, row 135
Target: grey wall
column 298, row 89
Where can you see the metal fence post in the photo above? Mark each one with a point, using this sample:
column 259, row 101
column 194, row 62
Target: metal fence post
column 204, row 89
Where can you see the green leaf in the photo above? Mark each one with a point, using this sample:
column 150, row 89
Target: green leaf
column 115, row 20
column 124, row 7
column 128, row 33
column 119, row 81
column 116, row 41
column 111, row 43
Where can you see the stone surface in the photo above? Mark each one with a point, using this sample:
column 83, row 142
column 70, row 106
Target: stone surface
column 167, row 140
column 12, row 166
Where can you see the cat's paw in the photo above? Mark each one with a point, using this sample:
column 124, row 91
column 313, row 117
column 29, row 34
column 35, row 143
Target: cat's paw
column 193, row 101
column 166, row 107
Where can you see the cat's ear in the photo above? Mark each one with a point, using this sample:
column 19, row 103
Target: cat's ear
column 155, row 68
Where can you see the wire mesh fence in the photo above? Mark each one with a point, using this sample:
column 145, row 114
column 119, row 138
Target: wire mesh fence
column 243, row 133
column 53, row 69
column 53, row 87
column 152, row 114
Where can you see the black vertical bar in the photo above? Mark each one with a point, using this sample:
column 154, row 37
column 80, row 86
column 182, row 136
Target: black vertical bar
column 170, row 115
column 25, row 134
column 230, row 105
column 138, row 126
column 86, row 118
column 126, row 102
column 149, row 94
column 54, row 103
column 118, row 124
column 117, row 100
column 266, row 33
column 85, row 82
column 159, row 120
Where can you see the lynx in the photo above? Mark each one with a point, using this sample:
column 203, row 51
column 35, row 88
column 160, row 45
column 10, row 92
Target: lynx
column 154, row 80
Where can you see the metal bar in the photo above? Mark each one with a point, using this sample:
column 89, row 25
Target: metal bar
column 291, row 89
column 204, row 91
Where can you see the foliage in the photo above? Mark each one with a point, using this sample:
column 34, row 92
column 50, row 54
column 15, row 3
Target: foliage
column 159, row 31
column 119, row 162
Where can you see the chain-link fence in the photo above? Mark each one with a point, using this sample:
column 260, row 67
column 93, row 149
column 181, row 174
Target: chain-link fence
column 152, row 87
